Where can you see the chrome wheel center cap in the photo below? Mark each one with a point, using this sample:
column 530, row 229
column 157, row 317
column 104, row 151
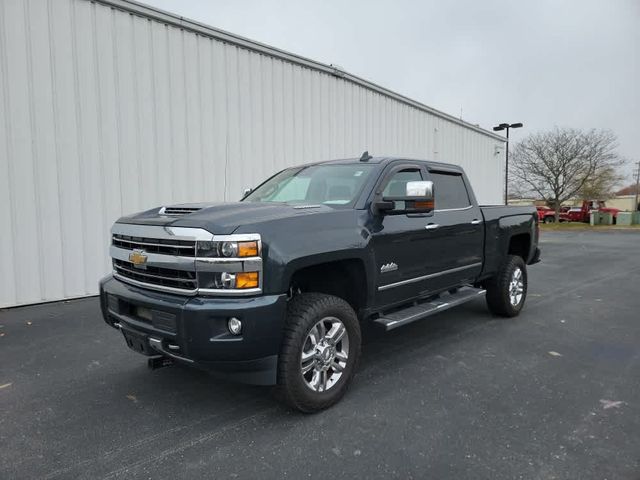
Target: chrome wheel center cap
column 325, row 353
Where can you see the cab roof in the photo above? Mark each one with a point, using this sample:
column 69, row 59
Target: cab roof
column 383, row 161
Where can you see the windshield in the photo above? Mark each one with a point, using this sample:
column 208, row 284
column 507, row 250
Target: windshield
column 315, row 184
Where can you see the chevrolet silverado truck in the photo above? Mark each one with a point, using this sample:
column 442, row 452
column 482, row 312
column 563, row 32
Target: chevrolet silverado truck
column 274, row 289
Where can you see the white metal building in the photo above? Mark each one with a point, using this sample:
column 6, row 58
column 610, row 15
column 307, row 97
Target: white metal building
column 110, row 106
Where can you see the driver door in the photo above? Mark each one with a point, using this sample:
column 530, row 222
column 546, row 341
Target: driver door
column 400, row 242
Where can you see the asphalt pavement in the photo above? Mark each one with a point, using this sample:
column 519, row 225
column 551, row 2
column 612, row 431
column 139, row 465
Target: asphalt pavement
column 552, row 394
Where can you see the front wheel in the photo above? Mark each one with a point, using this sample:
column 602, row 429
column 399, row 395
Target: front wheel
column 507, row 291
column 319, row 352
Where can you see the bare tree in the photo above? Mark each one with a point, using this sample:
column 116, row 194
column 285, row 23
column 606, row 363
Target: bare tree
column 603, row 184
column 564, row 162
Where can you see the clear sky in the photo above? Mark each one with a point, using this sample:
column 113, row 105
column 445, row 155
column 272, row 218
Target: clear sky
column 543, row 62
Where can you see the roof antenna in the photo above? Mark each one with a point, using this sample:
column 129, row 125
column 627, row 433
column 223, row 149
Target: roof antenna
column 365, row 157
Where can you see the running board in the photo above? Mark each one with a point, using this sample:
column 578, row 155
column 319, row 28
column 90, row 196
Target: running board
column 417, row 312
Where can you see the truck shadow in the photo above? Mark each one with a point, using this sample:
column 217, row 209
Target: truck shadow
column 168, row 390
column 430, row 333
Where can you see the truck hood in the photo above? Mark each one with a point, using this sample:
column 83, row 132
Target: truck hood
column 221, row 218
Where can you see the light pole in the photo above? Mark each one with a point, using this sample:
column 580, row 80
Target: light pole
column 506, row 126
column 637, row 172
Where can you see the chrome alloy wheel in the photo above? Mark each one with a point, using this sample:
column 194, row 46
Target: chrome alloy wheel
column 324, row 354
column 516, row 287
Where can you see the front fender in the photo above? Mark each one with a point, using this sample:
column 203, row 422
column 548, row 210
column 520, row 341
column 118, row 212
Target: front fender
column 297, row 264
column 295, row 243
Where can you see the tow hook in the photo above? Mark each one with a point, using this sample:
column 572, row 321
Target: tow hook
column 158, row 361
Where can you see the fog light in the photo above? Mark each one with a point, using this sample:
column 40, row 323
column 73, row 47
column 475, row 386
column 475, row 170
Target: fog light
column 235, row 326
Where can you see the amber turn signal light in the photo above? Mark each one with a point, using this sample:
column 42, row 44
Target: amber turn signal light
column 248, row 249
column 247, row 280
column 424, row 204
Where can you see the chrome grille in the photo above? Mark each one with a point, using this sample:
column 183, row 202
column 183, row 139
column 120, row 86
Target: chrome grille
column 183, row 248
column 165, row 258
column 165, row 277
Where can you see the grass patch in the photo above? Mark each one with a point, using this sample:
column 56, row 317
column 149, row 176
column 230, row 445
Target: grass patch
column 584, row 226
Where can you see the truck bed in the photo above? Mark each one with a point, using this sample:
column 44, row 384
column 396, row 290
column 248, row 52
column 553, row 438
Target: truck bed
column 494, row 212
column 501, row 223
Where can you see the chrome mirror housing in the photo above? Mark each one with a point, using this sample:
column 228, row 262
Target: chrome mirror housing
column 422, row 189
column 418, row 198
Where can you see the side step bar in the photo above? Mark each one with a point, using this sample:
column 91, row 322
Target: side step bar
column 445, row 301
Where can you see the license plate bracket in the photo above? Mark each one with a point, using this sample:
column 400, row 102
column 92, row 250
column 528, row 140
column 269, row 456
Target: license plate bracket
column 143, row 313
column 138, row 343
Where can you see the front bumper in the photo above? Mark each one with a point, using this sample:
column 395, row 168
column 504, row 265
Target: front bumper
column 193, row 330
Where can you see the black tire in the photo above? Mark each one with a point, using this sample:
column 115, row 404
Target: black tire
column 549, row 219
column 498, row 288
column 303, row 314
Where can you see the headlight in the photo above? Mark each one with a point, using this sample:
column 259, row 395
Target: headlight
column 206, row 249
column 228, row 249
column 226, row 280
column 229, row 264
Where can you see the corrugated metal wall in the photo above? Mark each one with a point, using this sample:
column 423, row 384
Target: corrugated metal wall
column 104, row 112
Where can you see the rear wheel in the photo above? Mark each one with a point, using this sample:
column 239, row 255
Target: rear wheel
column 549, row 219
column 507, row 291
column 319, row 352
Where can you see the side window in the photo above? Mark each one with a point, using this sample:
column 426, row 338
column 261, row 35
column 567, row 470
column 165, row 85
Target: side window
column 450, row 191
column 397, row 186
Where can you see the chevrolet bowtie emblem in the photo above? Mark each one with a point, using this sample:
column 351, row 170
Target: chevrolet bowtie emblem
column 138, row 257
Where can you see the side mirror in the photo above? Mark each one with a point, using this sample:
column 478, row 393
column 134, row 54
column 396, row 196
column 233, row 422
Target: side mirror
column 418, row 198
column 246, row 192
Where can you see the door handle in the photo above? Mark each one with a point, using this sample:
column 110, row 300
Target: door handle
column 432, row 226
column 475, row 221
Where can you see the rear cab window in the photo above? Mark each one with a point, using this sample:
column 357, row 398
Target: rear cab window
column 450, row 191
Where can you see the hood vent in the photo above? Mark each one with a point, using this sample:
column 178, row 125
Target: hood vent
column 304, row 207
column 177, row 211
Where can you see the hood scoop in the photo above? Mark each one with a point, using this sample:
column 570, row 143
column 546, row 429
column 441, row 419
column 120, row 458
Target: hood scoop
column 177, row 211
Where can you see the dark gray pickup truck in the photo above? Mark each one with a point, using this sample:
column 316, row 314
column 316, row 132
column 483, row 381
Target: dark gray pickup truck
column 274, row 289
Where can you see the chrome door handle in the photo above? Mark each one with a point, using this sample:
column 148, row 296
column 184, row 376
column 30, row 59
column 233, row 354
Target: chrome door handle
column 475, row 221
column 432, row 226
